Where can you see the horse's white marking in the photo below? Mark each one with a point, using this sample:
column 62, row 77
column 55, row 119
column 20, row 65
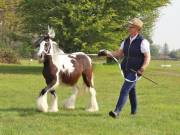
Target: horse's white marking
column 51, row 50
column 92, row 80
column 81, row 53
column 41, row 48
column 93, row 106
column 42, row 104
column 70, row 102
column 54, row 104
column 63, row 63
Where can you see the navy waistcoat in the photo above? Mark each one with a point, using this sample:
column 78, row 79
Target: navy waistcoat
column 133, row 58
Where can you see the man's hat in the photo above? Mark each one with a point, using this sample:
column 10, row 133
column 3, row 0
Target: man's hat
column 136, row 22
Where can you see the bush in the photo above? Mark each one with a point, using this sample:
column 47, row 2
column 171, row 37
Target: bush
column 7, row 55
column 25, row 50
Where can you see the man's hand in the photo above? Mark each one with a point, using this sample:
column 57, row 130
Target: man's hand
column 140, row 71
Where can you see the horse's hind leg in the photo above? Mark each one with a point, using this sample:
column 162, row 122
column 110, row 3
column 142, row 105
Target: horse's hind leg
column 70, row 102
column 54, row 101
column 93, row 105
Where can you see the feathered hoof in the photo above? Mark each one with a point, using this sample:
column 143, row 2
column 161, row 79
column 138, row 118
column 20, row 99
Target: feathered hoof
column 53, row 110
column 92, row 110
column 42, row 105
column 42, row 108
column 69, row 107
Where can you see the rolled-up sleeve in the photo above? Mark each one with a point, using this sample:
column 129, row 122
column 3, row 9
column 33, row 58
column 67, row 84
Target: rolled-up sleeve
column 145, row 46
column 122, row 45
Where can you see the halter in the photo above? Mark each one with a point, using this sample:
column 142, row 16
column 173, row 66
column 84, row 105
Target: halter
column 48, row 49
column 137, row 78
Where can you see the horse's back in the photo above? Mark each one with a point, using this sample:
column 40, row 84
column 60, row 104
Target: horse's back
column 72, row 66
column 82, row 58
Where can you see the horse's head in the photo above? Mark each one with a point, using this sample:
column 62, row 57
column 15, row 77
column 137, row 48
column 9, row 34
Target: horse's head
column 45, row 44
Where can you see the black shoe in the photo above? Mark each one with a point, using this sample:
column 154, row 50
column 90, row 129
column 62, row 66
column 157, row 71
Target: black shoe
column 113, row 114
column 133, row 113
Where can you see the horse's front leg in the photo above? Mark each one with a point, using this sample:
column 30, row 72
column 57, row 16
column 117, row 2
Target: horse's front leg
column 54, row 101
column 42, row 104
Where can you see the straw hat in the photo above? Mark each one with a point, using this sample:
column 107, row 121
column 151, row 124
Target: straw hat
column 136, row 22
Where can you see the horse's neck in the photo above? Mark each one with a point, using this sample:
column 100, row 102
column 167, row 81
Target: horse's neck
column 54, row 54
column 60, row 51
column 47, row 59
column 49, row 62
column 55, row 50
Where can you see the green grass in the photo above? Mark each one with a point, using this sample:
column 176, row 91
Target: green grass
column 158, row 106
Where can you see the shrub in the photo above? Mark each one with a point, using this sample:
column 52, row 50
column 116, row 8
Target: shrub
column 8, row 55
column 25, row 50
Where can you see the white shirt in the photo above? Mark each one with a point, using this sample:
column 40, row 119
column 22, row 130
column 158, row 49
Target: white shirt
column 145, row 46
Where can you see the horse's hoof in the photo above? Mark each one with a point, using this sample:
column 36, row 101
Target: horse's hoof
column 42, row 104
column 42, row 110
column 92, row 110
column 42, row 107
column 53, row 110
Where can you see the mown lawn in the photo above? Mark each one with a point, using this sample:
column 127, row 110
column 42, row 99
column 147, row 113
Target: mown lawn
column 158, row 114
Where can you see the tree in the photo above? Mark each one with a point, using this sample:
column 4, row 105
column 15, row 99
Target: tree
column 154, row 50
column 165, row 50
column 9, row 22
column 175, row 54
column 87, row 25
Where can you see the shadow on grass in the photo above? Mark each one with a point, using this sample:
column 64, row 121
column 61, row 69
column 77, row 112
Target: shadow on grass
column 21, row 111
column 19, row 69
column 79, row 112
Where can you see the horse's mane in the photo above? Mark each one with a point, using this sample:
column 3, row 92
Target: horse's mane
column 56, row 49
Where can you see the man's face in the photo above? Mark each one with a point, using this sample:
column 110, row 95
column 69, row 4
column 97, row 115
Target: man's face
column 133, row 29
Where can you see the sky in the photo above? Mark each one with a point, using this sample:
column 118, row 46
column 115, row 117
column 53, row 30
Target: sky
column 167, row 27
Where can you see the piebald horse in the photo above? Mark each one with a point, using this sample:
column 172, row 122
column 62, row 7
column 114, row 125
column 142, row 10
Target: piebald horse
column 60, row 67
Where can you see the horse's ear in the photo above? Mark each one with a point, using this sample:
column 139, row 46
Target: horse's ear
column 51, row 32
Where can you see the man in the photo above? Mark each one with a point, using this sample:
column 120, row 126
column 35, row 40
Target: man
column 136, row 52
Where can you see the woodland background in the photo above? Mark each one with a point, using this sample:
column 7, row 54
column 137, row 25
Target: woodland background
column 80, row 25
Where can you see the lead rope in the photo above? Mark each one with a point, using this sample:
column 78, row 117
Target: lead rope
column 137, row 78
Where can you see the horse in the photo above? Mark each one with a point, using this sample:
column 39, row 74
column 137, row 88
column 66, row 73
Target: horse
column 61, row 68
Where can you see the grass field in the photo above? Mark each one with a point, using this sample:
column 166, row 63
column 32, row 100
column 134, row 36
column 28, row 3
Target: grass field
column 158, row 106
